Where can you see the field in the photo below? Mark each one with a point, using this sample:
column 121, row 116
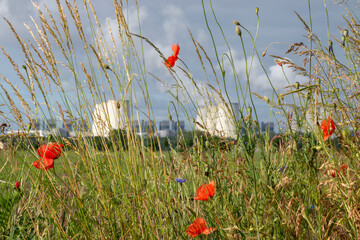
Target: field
column 301, row 182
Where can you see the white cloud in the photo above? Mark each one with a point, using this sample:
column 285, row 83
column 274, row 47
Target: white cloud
column 279, row 77
column 174, row 23
column 133, row 16
column 4, row 8
column 201, row 36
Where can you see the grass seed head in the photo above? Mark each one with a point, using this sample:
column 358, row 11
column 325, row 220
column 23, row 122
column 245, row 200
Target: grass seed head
column 238, row 31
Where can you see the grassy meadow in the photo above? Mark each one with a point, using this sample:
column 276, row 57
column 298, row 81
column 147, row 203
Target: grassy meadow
column 300, row 183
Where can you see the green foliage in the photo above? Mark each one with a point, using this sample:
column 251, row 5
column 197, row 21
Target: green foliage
column 296, row 185
column 118, row 138
column 151, row 143
column 14, row 221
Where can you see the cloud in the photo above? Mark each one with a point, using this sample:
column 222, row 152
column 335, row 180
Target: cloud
column 277, row 77
column 16, row 17
column 174, row 22
column 4, row 8
column 201, row 36
column 133, row 17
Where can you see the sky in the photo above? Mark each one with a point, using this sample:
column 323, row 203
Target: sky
column 165, row 22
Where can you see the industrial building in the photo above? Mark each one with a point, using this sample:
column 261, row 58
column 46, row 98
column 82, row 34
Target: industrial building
column 218, row 119
column 109, row 115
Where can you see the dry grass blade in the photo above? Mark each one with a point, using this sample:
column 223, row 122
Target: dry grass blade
column 311, row 36
column 151, row 44
column 212, row 67
column 14, row 109
column 197, row 50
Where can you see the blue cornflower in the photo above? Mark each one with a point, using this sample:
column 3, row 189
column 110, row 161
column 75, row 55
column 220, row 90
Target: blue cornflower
column 179, row 180
column 281, row 170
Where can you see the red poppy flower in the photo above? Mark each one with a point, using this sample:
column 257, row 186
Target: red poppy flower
column 17, row 184
column 176, row 49
column 170, row 62
column 278, row 62
column 45, row 163
column 334, row 172
column 198, row 227
column 327, row 127
column 51, row 150
column 48, row 153
column 205, row 192
column 343, row 168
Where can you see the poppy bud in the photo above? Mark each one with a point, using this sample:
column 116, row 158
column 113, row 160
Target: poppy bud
column 346, row 32
column 118, row 104
column 236, row 22
column 308, row 96
column 29, row 126
column 337, row 90
column 257, row 10
column 278, row 101
column 331, row 50
column 207, row 144
column 49, row 137
column 170, row 117
column 318, row 81
column 335, row 106
column 267, row 99
column 193, row 120
column 318, row 148
column 330, row 44
column 343, row 40
column 344, row 133
column 249, row 109
column 24, row 67
column 297, row 85
column 106, row 66
column 238, row 31
column 263, row 54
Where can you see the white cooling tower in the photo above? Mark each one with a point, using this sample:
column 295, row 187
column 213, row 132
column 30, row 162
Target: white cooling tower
column 218, row 120
column 109, row 115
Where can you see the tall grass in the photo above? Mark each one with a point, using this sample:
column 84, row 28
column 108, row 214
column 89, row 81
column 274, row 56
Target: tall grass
column 292, row 185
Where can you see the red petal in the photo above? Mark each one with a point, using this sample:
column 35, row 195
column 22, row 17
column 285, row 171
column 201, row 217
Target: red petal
column 198, row 227
column 176, row 49
column 327, row 127
column 170, row 62
column 41, row 150
column 51, row 150
column 37, row 164
column 45, row 163
column 205, row 192
column 48, row 163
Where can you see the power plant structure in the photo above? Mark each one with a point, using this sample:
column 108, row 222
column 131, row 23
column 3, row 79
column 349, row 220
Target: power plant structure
column 218, row 119
column 108, row 116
